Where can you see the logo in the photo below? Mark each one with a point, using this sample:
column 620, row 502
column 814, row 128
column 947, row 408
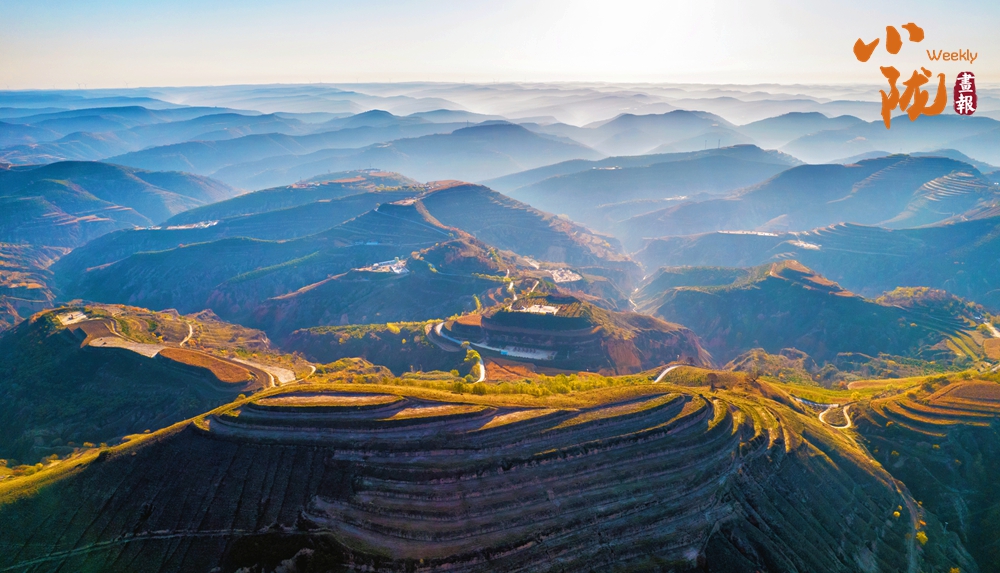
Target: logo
column 913, row 100
column 965, row 94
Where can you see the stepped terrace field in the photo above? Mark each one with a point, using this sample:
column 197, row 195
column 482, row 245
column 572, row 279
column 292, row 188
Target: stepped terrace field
column 364, row 477
column 942, row 438
column 973, row 403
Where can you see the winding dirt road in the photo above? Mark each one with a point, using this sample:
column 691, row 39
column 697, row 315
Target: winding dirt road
column 847, row 416
column 666, row 371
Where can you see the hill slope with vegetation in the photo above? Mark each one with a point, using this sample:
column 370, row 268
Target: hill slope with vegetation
column 323, row 478
column 786, row 305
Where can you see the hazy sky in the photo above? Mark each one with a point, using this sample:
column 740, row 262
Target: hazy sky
column 106, row 43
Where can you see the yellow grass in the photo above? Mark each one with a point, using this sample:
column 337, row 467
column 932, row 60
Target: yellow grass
column 580, row 399
column 991, row 347
column 973, row 390
column 224, row 371
column 432, row 411
column 519, row 416
column 329, row 400
column 615, row 411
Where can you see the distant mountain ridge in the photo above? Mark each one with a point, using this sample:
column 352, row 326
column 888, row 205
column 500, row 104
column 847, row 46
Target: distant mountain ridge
column 634, row 134
column 786, row 305
column 976, row 136
column 69, row 203
column 581, row 195
column 896, row 191
column 957, row 257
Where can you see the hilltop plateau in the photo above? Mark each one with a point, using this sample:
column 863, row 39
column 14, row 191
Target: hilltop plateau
column 452, row 277
column 559, row 331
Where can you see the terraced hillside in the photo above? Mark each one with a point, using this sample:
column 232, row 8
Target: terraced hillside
column 427, row 151
column 958, row 257
column 356, row 477
column 449, row 278
column 897, row 191
column 503, row 222
column 634, row 134
column 786, row 305
column 232, row 276
column 324, row 187
column 975, row 138
column 774, row 132
column 68, row 203
column 508, row 183
column 280, row 224
column 941, row 439
column 223, row 155
column 398, row 346
column 580, row 195
column 25, row 281
column 559, row 331
column 94, row 374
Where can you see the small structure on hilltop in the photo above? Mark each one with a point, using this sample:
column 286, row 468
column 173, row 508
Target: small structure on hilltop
column 565, row 276
column 538, row 309
column 395, row 266
column 539, row 328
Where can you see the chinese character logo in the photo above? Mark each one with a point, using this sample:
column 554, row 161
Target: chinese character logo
column 965, row 94
column 913, row 100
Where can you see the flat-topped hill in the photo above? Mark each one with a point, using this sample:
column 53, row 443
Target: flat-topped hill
column 562, row 331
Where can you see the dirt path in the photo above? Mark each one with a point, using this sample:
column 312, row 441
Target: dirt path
column 666, row 371
column 435, row 331
column 276, row 375
column 847, row 416
column 993, row 329
column 482, row 371
column 279, row 376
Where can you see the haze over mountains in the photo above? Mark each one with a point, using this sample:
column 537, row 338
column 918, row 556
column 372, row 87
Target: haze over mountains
column 674, row 319
column 251, row 142
column 583, row 196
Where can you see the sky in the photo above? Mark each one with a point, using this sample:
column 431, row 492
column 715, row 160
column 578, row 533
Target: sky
column 114, row 44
